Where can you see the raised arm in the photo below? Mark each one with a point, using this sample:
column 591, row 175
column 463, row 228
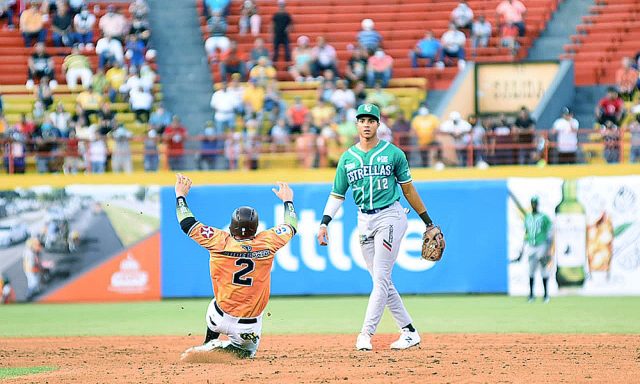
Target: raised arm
column 285, row 193
column 185, row 217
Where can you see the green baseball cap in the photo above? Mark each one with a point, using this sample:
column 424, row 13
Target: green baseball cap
column 535, row 199
column 368, row 110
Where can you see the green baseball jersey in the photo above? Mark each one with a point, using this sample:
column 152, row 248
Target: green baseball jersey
column 373, row 176
column 537, row 228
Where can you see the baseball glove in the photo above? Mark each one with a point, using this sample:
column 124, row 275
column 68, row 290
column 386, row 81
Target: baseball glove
column 433, row 244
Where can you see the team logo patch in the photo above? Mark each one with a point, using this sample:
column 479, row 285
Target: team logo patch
column 367, row 107
column 382, row 159
column 349, row 166
column 247, row 248
column 206, row 232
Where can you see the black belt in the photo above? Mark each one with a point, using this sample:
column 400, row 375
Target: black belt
column 240, row 321
column 372, row 211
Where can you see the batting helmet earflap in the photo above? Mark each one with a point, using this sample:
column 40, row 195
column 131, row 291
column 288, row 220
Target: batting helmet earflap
column 244, row 223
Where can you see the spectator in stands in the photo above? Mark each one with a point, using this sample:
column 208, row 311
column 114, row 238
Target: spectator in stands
column 32, row 25
column 626, row 79
column 141, row 102
column 452, row 46
column 249, row 18
column 306, row 146
column 385, row 100
column 39, row 65
column 297, row 114
column 327, row 87
column 83, row 24
column 279, row 134
column 139, row 9
column 459, row 129
column 237, row 92
column 259, row 50
column 43, row 93
column 38, row 112
column 281, row 24
column 324, row 57
column 342, row 98
column 140, row 28
column 610, row 108
column 76, row 66
column 360, row 91
column 133, row 82
column 524, row 129
column 113, row 24
column 251, row 144
column 302, row 60
column 147, row 77
column 61, row 119
column 356, row 69
column 151, row 157
column 401, row 129
column 116, row 76
column 109, row 51
column 509, row 37
column 100, row 83
column 97, row 152
column 263, row 72
column 369, row 38
column 135, row 51
column 211, row 150
column 253, row 100
column 216, row 6
column 502, row 141
column 462, row 15
column 26, row 126
column 512, row 11
column 6, row 12
column 62, row 27
column 174, row 137
column 232, row 63
column 379, row 67
column 160, row 119
column 611, row 139
column 107, row 118
column 566, row 130
column 480, row 33
column 425, row 125
column 274, row 107
column 428, row 48
column 634, row 128
column 90, row 102
column 46, row 140
column 479, row 141
column 76, row 6
column 121, row 154
column 222, row 103
column 217, row 40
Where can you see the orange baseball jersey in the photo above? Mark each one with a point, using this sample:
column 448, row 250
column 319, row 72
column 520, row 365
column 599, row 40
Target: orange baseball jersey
column 241, row 270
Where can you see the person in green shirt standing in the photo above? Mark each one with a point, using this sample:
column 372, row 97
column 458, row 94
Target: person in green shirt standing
column 538, row 235
column 373, row 168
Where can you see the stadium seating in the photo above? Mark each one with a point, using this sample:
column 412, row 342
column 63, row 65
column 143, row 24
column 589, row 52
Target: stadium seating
column 401, row 23
column 609, row 33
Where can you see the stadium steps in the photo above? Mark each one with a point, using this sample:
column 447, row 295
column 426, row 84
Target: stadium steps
column 562, row 25
column 584, row 104
column 185, row 76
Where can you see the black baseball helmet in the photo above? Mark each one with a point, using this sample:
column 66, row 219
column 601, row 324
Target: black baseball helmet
column 244, row 223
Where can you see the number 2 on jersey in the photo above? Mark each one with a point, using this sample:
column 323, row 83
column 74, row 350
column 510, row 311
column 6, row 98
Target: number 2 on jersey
column 238, row 277
column 382, row 184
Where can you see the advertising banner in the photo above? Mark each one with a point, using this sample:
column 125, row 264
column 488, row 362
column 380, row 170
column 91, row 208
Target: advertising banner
column 50, row 237
column 595, row 246
column 471, row 214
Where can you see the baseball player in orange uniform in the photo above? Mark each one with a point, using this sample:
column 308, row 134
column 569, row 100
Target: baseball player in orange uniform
column 240, row 266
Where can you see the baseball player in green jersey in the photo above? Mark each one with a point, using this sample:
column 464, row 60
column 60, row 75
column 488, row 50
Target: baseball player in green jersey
column 537, row 246
column 373, row 168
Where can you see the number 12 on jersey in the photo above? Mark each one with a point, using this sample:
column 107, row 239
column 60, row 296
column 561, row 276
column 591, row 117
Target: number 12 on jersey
column 382, row 184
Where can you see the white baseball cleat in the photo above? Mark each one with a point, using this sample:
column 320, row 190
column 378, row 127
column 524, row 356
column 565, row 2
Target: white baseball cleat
column 363, row 342
column 407, row 339
column 206, row 347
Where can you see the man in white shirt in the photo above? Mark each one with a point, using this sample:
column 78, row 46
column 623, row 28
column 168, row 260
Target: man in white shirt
column 453, row 46
column 113, row 24
column 109, row 51
column 462, row 15
column 342, row 97
column 566, row 130
column 222, row 103
column 324, row 57
column 480, row 33
column 141, row 103
column 459, row 129
column 83, row 24
column 512, row 11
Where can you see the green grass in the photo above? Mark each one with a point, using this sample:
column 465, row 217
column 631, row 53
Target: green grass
column 6, row 373
column 295, row 315
column 131, row 226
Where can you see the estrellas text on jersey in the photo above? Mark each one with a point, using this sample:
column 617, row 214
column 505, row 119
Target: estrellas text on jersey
column 369, row 170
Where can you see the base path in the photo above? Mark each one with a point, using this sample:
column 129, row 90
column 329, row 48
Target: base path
column 441, row 358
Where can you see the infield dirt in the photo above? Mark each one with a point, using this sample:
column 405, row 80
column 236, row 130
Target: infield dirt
column 441, row 358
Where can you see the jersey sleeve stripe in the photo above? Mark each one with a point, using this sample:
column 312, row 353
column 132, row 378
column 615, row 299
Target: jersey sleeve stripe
column 337, row 194
column 405, row 181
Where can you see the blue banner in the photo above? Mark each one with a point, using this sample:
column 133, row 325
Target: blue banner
column 472, row 215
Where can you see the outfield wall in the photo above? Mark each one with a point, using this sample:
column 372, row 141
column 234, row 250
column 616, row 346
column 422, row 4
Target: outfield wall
column 132, row 247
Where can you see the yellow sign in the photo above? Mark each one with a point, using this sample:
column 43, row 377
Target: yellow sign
column 507, row 87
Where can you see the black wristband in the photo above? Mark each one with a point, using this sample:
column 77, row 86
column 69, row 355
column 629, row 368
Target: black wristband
column 426, row 219
column 326, row 219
